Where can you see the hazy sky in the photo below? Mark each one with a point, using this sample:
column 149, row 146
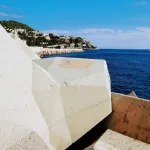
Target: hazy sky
column 107, row 23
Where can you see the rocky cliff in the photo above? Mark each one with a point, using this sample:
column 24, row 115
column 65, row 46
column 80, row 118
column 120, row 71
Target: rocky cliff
column 36, row 38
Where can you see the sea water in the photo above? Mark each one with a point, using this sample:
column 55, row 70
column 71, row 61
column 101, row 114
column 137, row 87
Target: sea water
column 129, row 69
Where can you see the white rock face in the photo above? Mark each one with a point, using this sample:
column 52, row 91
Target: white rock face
column 16, row 137
column 17, row 103
column 73, row 95
column 32, row 55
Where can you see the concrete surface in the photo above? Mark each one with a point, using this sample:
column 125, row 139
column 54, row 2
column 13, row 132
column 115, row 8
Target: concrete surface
column 73, row 96
column 130, row 116
column 31, row 54
column 16, row 137
column 48, row 103
column 111, row 140
column 17, row 104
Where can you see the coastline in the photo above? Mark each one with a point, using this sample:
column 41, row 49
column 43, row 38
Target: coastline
column 51, row 51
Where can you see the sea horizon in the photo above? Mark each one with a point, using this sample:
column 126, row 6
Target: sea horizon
column 123, row 49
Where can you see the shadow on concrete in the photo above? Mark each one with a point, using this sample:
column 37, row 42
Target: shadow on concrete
column 90, row 137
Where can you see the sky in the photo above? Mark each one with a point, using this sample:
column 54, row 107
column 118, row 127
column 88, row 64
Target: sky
column 106, row 23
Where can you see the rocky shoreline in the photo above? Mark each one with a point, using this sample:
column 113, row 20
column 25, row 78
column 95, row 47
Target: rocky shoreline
column 42, row 52
column 57, row 51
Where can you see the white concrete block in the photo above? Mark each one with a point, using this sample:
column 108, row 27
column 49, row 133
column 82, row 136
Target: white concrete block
column 48, row 102
column 16, row 137
column 103, row 146
column 46, row 93
column 77, row 89
column 17, row 104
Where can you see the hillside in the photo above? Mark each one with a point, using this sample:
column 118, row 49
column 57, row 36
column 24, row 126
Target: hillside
column 36, row 38
column 15, row 25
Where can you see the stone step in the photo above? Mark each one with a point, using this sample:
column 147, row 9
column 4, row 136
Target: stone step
column 112, row 140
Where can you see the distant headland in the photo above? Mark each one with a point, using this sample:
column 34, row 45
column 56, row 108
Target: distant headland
column 36, row 38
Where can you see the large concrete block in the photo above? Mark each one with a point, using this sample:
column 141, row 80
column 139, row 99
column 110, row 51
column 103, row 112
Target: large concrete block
column 15, row 66
column 114, row 141
column 131, row 117
column 46, row 93
column 17, row 104
column 73, row 95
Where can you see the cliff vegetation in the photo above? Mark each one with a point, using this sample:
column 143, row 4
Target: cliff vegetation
column 36, row 38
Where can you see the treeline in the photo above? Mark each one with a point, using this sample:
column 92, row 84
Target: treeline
column 15, row 25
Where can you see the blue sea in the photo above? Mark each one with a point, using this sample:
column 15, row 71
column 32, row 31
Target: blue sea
column 129, row 69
